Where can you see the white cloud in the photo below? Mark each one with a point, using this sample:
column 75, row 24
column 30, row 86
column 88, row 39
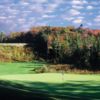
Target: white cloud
column 21, row 20
column 3, row 17
column 97, row 19
column 78, row 21
column 24, row 3
column 97, row 25
column 77, row 7
column 40, row 1
column 48, row 16
column 9, row 21
column 27, row 13
column 11, row 16
column 24, row 28
column 5, row 1
column 90, row 13
column 1, row 6
column 74, row 12
column 89, row 7
column 32, row 19
column 95, row 3
column 68, row 18
column 80, row 17
column 74, row 19
column 59, row 1
column 85, row 1
column 37, row 8
column 78, row 2
column 12, row 11
column 89, row 24
column 41, row 24
column 35, row 1
column 51, row 8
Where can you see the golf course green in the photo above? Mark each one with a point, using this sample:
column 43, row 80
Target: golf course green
column 19, row 68
column 56, row 86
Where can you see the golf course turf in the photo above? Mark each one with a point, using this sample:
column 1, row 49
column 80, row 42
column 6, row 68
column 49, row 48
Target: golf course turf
column 17, row 82
column 19, row 67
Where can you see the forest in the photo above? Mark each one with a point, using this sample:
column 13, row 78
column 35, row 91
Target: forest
column 59, row 45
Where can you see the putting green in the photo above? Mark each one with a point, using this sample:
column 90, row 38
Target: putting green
column 19, row 67
column 51, row 77
column 75, row 86
column 21, row 76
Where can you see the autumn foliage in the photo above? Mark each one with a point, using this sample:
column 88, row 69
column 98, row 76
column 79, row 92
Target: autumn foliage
column 77, row 46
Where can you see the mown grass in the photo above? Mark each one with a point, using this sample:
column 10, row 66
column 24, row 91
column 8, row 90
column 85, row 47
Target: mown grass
column 46, row 86
column 19, row 68
column 56, row 85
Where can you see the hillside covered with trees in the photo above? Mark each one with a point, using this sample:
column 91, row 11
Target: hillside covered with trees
column 77, row 46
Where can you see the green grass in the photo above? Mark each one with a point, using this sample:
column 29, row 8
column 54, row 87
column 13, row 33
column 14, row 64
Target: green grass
column 19, row 68
column 57, row 86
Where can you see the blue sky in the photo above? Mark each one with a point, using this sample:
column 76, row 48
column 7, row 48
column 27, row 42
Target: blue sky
column 21, row 15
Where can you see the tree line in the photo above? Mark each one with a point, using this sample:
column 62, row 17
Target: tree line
column 78, row 46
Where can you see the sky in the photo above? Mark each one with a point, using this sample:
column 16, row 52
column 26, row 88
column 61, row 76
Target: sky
column 21, row 15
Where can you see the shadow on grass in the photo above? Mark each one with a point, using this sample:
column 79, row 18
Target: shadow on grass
column 77, row 90
column 11, row 93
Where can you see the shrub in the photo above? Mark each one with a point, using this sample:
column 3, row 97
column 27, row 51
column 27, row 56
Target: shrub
column 15, row 53
column 78, row 50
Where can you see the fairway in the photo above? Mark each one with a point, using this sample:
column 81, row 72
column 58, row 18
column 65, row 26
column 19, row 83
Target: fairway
column 57, row 86
column 51, row 77
column 19, row 68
